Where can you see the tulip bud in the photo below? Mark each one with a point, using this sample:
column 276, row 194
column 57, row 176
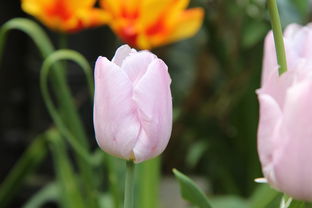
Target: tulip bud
column 132, row 104
column 285, row 125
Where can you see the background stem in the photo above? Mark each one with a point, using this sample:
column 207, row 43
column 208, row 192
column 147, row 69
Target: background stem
column 278, row 36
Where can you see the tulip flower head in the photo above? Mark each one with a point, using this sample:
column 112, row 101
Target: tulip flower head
column 285, row 125
column 146, row 24
column 132, row 104
column 65, row 15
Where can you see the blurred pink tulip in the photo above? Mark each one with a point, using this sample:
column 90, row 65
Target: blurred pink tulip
column 285, row 125
column 132, row 104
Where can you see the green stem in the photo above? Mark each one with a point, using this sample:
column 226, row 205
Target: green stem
column 148, row 186
column 113, row 179
column 129, row 187
column 278, row 36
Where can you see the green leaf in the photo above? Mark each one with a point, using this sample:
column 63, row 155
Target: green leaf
column 71, row 197
column 67, row 108
column 190, row 191
column 70, row 126
column 47, row 194
column 288, row 202
column 263, row 196
column 52, row 59
column 32, row 29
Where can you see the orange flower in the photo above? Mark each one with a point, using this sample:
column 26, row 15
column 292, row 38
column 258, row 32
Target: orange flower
column 146, row 24
column 65, row 15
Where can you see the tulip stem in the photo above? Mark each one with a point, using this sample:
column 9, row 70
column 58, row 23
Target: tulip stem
column 129, row 187
column 278, row 36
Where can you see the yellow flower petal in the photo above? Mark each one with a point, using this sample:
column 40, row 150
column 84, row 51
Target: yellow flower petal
column 187, row 25
column 113, row 7
column 65, row 15
column 146, row 24
column 151, row 10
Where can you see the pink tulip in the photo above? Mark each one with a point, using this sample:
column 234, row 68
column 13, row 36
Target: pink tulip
column 285, row 125
column 132, row 104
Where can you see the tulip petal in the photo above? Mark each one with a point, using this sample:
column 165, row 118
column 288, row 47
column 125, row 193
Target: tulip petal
column 121, row 53
column 137, row 64
column 153, row 98
column 294, row 170
column 268, row 133
column 66, row 16
column 112, row 6
column 187, row 24
column 152, row 10
column 115, row 118
column 270, row 66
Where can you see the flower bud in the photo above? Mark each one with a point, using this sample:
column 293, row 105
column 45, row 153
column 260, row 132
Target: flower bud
column 285, row 125
column 132, row 104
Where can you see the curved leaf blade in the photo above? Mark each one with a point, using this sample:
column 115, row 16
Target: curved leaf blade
column 190, row 191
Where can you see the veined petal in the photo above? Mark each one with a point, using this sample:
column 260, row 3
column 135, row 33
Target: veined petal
column 153, row 98
column 187, row 25
column 115, row 118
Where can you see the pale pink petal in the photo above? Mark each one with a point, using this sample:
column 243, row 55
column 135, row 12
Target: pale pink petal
column 291, row 30
column 277, row 86
column 121, row 53
column 136, row 65
column 285, row 126
column 268, row 133
column 294, row 168
column 115, row 121
column 153, row 98
column 270, row 66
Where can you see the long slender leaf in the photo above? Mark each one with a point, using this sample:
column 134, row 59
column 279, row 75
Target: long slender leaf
column 68, row 110
column 71, row 197
column 61, row 55
column 48, row 193
column 32, row 29
column 70, row 134
column 190, row 191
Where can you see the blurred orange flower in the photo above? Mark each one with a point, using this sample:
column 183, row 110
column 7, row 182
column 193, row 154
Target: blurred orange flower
column 65, row 15
column 146, row 24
